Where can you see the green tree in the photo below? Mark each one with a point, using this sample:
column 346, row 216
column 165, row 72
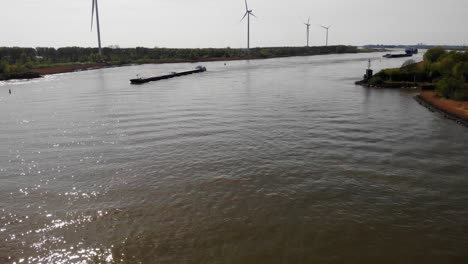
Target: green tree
column 451, row 88
column 434, row 54
column 5, row 68
column 24, row 59
column 461, row 71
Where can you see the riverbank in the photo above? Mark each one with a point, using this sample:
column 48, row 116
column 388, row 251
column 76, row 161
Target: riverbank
column 451, row 109
column 22, row 76
column 93, row 66
column 60, row 68
column 398, row 85
column 69, row 68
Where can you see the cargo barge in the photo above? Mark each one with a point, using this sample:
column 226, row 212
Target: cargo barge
column 198, row 69
column 409, row 52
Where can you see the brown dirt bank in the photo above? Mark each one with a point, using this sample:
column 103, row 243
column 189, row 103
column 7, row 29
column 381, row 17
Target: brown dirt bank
column 452, row 109
column 68, row 68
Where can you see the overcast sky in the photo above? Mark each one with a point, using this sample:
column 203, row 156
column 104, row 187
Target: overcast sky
column 216, row 23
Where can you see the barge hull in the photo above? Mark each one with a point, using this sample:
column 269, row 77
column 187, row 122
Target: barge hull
column 164, row 77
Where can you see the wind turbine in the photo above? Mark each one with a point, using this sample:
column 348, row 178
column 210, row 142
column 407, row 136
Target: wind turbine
column 327, row 28
column 308, row 30
column 95, row 7
column 248, row 13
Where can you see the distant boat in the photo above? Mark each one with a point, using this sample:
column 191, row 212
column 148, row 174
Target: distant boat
column 411, row 51
column 408, row 53
column 391, row 56
column 140, row 80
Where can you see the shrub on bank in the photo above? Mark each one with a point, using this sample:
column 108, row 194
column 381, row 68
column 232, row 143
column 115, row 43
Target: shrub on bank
column 396, row 75
column 434, row 54
column 376, row 81
column 451, row 88
column 8, row 70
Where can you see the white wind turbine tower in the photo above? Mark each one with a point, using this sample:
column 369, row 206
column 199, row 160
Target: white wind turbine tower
column 327, row 28
column 95, row 7
column 308, row 30
column 248, row 13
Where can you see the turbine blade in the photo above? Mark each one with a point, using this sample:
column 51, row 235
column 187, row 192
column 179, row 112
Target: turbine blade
column 92, row 14
column 244, row 16
column 253, row 14
column 308, row 21
column 246, row 6
column 329, row 26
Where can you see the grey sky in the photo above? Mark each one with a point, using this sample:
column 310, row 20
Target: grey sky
column 216, row 23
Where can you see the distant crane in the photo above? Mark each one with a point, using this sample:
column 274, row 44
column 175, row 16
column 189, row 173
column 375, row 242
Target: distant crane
column 308, row 30
column 327, row 28
column 248, row 13
column 95, row 7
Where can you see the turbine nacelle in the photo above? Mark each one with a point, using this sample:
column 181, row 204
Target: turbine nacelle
column 248, row 13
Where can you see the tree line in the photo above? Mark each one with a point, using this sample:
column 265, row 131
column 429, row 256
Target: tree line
column 14, row 60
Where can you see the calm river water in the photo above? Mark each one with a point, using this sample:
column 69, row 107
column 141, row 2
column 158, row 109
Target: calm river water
column 267, row 161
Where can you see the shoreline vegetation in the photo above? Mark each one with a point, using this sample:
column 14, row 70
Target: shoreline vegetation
column 29, row 63
column 442, row 78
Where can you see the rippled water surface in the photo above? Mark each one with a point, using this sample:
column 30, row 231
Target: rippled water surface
column 268, row 161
